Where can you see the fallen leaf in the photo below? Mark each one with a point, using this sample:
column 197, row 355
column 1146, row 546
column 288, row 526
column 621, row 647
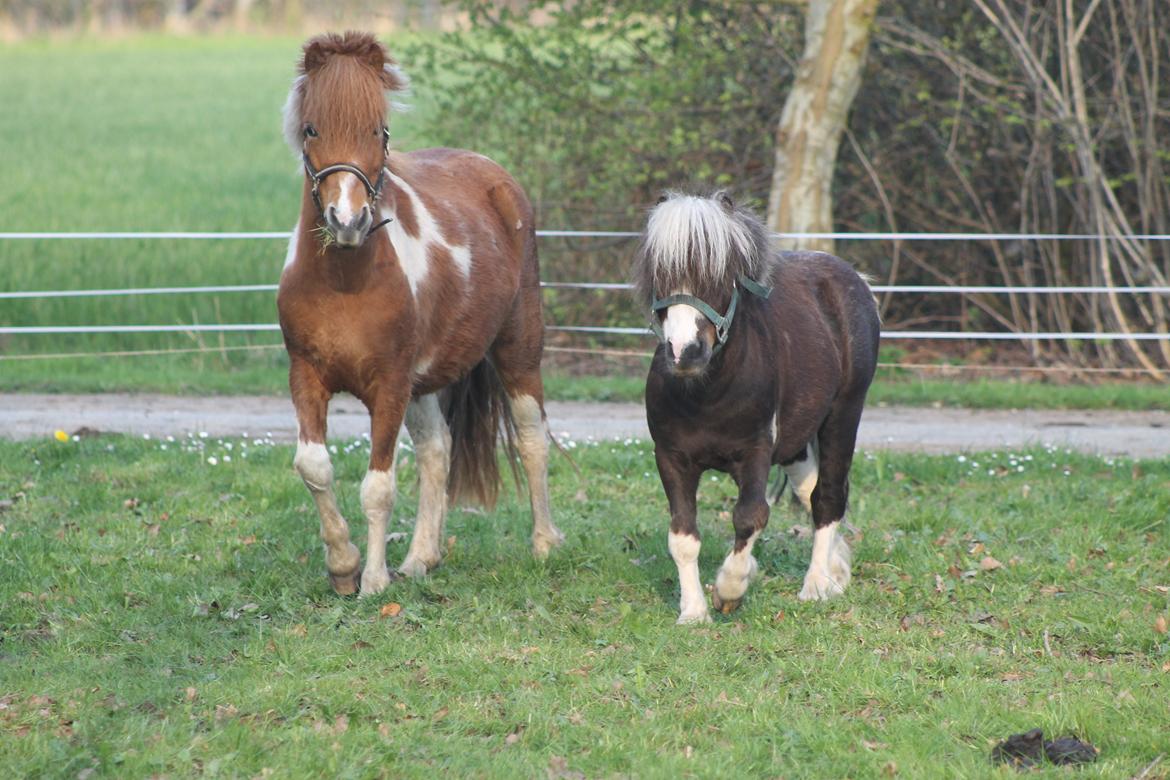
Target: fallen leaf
column 391, row 610
column 989, row 564
column 1160, row 624
column 191, row 694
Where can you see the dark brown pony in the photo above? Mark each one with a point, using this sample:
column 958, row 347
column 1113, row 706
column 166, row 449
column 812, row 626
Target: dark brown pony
column 411, row 282
column 765, row 358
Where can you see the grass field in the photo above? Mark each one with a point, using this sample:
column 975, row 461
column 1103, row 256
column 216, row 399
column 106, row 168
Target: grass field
column 158, row 133
column 164, row 612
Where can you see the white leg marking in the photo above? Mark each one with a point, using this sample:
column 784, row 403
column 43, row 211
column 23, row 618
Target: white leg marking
column 532, row 441
column 803, row 476
column 692, row 604
column 735, row 575
column 681, row 327
column 379, row 489
column 312, row 463
column 432, row 448
column 828, row 570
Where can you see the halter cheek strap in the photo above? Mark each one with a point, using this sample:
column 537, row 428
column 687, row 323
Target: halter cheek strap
column 722, row 322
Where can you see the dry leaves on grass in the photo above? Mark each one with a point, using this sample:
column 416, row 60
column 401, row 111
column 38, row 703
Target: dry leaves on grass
column 393, row 609
column 1160, row 624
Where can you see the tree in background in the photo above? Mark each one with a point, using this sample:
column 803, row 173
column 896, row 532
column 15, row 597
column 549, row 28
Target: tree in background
column 836, row 39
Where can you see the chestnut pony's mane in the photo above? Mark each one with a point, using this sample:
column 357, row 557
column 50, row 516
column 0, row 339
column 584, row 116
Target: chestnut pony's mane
column 354, row 80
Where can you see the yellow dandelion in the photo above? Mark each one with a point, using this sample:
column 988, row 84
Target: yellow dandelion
column 60, row 435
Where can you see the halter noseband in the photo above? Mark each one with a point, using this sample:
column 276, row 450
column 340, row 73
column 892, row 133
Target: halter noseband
column 373, row 191
column 722, row 322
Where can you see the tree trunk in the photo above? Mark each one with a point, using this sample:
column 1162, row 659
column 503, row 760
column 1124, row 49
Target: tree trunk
column 836, row 38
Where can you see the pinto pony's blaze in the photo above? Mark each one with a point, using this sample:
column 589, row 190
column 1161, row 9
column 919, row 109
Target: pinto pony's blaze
column 765, row 359
column 411, row 282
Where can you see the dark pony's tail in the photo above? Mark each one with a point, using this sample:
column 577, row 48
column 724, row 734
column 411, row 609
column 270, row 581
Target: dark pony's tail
column 476, row 408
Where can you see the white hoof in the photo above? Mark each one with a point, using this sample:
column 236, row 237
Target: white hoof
column 688, row 618
column 730, row 587
column 375, row 581
column 820, row 586
column 414, row 567
column 544, row 542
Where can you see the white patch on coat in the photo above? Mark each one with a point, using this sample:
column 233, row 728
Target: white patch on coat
column 681, row 327
column 828, row 569
column 291, row 255
column 802, row 474
column 412, row 251
column 692, row 603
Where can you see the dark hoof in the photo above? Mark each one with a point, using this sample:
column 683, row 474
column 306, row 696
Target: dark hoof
column 726, row 607
column 346, row 585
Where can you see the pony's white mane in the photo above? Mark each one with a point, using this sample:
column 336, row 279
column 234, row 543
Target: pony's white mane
column 292, row 122
column 690, row 236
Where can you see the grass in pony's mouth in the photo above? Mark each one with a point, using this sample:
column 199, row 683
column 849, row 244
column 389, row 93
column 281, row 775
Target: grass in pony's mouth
column 324, row 236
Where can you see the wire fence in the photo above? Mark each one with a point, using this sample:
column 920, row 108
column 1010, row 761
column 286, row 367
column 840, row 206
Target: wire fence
column 224, row 328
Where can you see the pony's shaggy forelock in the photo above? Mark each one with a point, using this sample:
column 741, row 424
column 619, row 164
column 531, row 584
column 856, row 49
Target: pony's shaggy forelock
column 700, row 244
column 395, row 83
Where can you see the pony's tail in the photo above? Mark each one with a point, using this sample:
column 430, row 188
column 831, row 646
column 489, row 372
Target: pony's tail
column 477, row 412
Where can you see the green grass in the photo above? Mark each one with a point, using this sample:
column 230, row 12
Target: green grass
column 163, row 615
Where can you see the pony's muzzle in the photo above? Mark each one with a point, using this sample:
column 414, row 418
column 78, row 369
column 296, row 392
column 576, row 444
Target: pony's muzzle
column 692, row 357
column 351, row 234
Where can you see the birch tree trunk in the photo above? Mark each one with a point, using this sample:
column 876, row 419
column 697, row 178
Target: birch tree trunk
column 836, row 38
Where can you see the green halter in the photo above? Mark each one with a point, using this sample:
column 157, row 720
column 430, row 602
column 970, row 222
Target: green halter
column 722, row 322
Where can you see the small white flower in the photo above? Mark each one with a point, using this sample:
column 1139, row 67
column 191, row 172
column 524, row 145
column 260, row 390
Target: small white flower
column 212, row 460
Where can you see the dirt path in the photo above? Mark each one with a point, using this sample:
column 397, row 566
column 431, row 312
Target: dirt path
column 1136, row 434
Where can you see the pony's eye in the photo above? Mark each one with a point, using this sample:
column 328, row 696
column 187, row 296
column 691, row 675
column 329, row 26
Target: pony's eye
column 310, row 131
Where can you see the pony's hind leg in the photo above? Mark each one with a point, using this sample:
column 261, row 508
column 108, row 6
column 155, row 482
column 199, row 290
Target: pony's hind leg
column 802, row 475
column 829, row 566
column 312, row 462
column 516, row 355
column 532, row 442
column 750, row 517
column 432, row 448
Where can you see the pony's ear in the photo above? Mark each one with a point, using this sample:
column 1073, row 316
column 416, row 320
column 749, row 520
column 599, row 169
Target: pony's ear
column 726, row 202
column 315, row 53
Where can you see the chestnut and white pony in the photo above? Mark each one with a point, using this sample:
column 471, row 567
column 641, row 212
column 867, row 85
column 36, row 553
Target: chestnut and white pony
column 411, row 282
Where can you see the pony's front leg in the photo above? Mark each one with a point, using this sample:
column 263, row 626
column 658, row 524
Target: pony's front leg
column 312, row 462
column 749, row 517
column 681, row 483
column 432, row 449
column 379, row 487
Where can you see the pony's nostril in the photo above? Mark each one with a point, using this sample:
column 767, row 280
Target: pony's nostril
column 692, row 352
